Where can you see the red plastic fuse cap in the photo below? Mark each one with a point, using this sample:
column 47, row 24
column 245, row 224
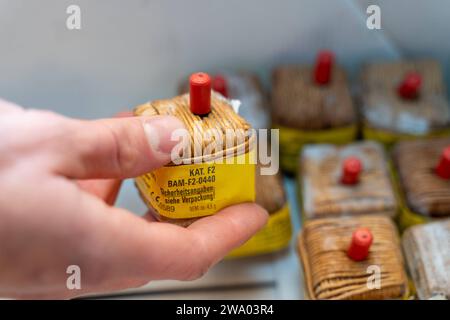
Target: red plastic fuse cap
column 323, row 67
column 359, row 247
column 200, row 93
column 443, row 167
column 410, row 86
column 220, row 85
column 351, row 169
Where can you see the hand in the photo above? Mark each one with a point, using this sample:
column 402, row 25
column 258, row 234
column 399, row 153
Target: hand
column 58, row 180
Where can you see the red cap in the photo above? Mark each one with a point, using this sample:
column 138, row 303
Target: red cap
column 359, row 247
column 443, row 168
column 410, row 86
column 200, row 93
column 323, row 67
column 351, row 168
column 220, row 85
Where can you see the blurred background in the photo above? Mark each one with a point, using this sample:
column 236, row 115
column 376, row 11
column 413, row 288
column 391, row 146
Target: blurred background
column 128, row 52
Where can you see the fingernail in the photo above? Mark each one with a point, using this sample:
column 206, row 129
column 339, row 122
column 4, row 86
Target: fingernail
column 159, row 129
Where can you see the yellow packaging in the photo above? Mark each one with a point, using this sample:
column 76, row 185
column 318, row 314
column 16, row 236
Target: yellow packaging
column 292, row 141
column 275, row 236
column 197, row 190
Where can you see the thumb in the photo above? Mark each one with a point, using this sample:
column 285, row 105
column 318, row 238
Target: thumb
column 117, row 148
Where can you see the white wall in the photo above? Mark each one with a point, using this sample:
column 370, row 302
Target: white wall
column 131, row 51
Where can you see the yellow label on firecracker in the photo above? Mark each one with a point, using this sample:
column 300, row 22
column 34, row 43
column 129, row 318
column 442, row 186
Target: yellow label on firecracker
column 274, row 236
column 199, row 189
column 388, row 138
column 292, row 141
